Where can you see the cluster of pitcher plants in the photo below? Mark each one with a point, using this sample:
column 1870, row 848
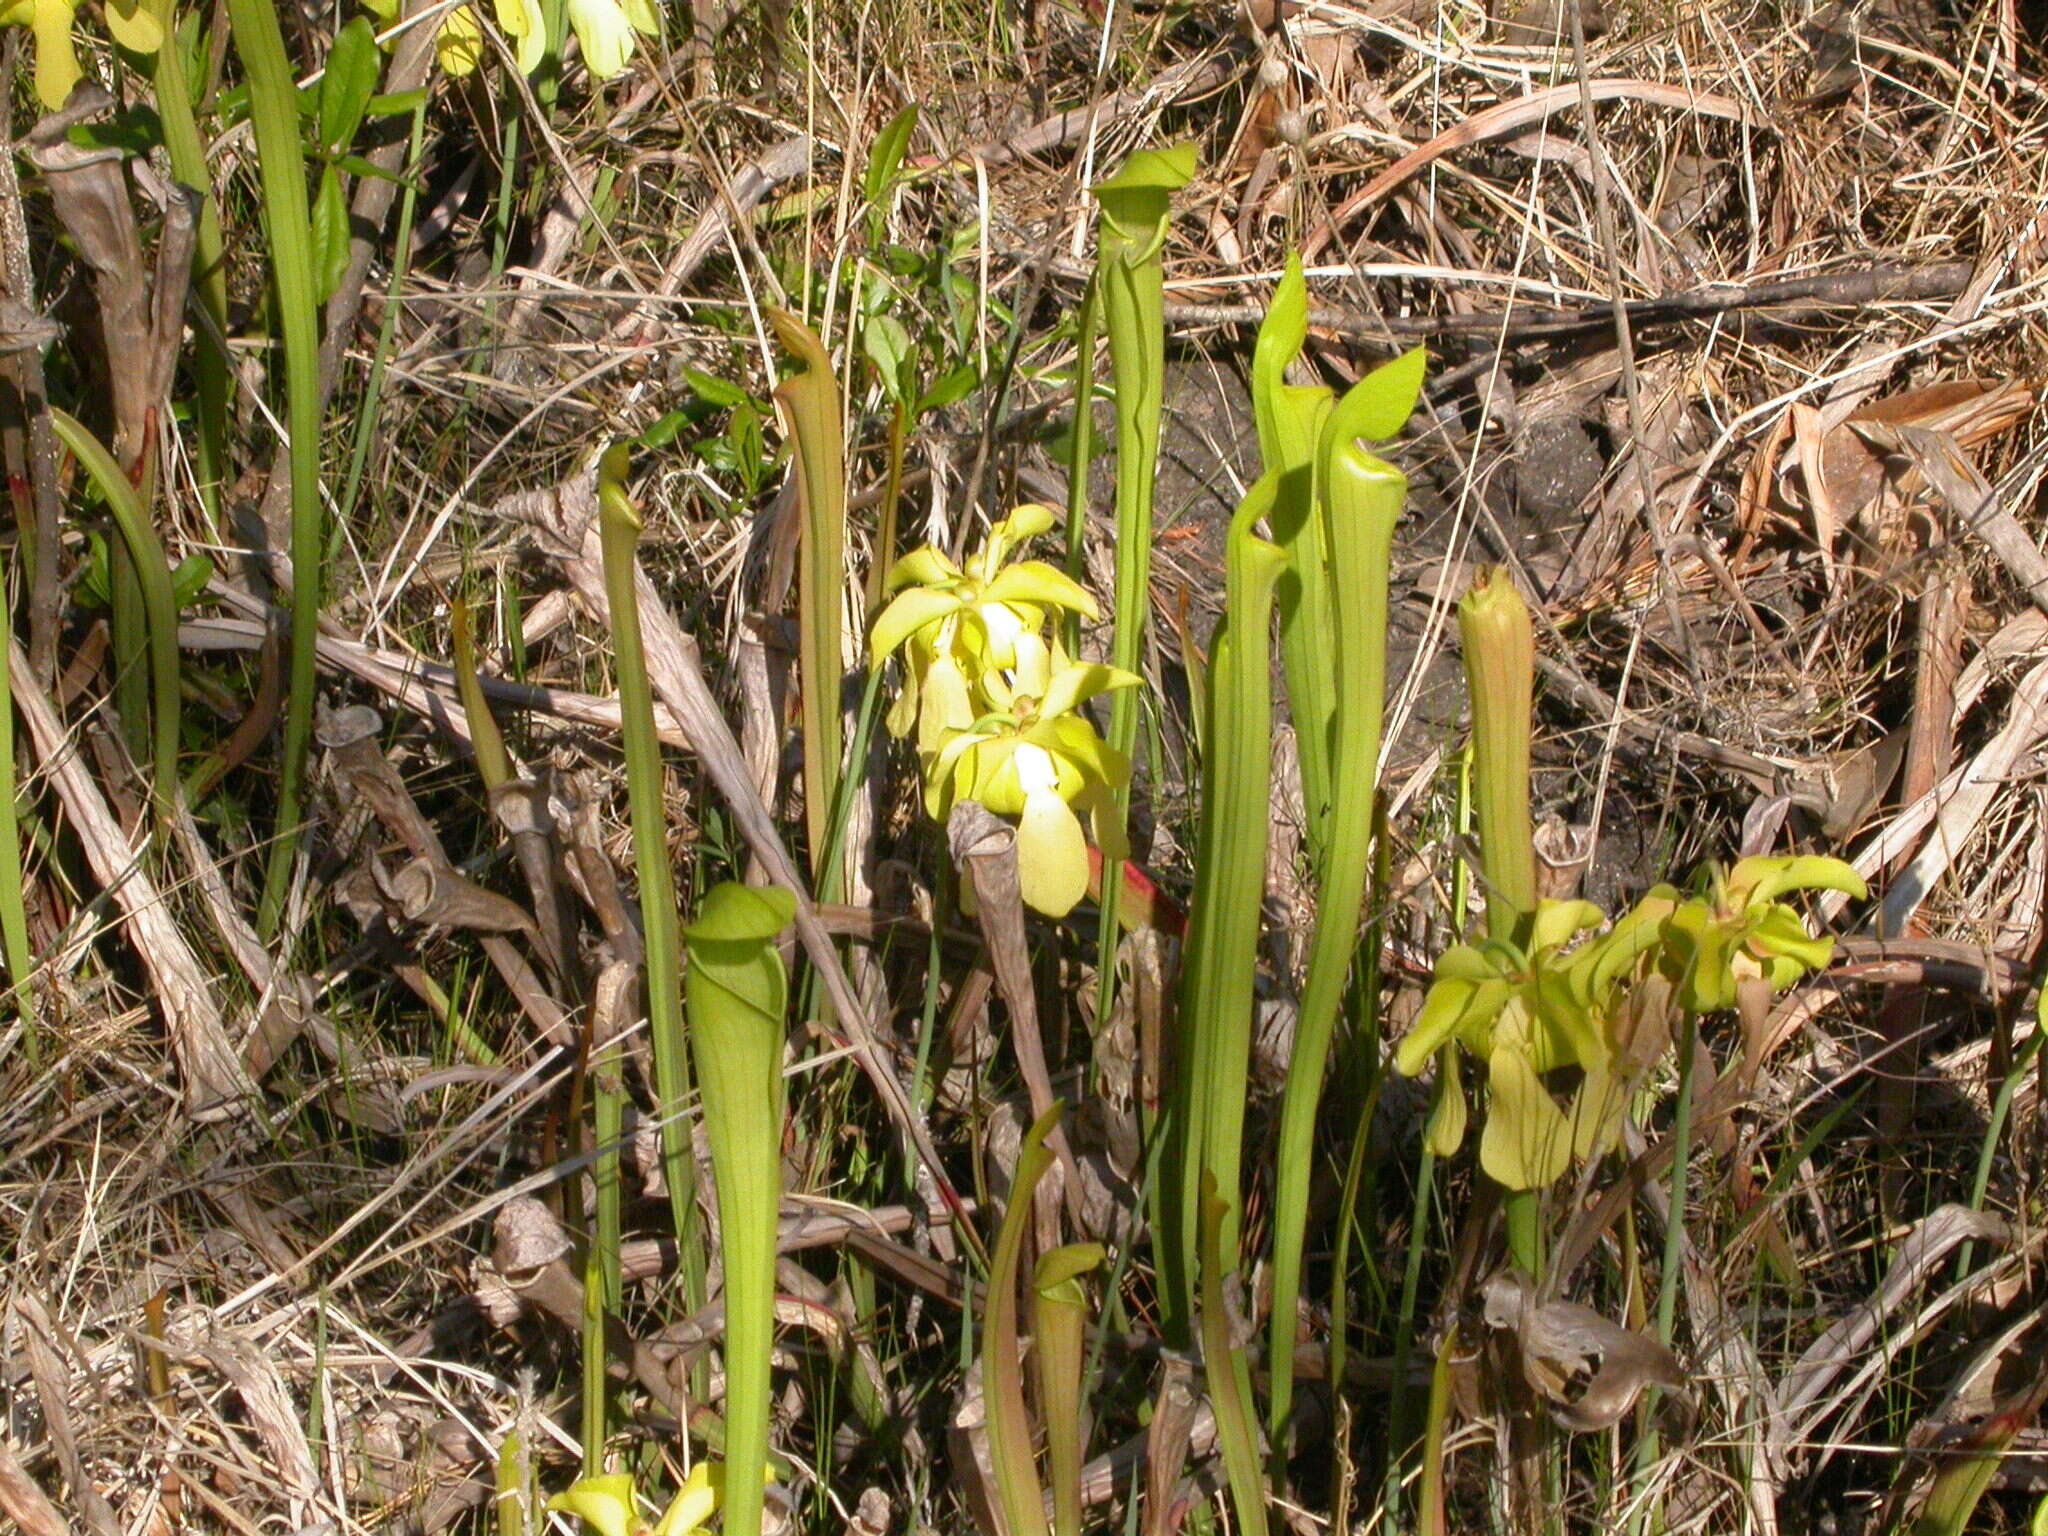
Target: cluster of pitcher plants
column 1565, row 1016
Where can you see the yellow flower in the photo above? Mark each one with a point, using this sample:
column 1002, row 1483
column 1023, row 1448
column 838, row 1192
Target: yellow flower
column 956, row 623
column 606, row 28
column 603, row 1502
column 459, row 43
column 137, row 25
column 1034, row 756
column 606, row 1503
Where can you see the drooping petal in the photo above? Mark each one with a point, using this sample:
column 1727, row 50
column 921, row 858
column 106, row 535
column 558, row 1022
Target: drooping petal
column 56, row 60
column 603, row 1502
column 1052, row 856
column 912, row 610
column 640, row 13
column 1445, row 1132
column 135, row 24
column 607, row 36
column 459, row 45
column 1527, row 1143
column 523, row 23
column 947, row 704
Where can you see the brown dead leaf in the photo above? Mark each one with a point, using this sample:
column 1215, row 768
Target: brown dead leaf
column 1588, row 1371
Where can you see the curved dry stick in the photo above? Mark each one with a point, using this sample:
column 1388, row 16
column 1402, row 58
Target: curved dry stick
column 1508, row 117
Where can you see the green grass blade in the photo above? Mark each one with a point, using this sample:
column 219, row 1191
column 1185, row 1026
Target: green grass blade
column 281, row 164
column 13, row 912
column 619, row 535
column 152, row 572
column 1002, row 1352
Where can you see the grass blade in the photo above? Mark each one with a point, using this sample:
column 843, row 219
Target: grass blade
column 281, row 163
column 152, row 572
column 619, row 534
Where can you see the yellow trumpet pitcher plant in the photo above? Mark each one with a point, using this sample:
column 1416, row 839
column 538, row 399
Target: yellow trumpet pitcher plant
column 954, row 623
column 1033, row 756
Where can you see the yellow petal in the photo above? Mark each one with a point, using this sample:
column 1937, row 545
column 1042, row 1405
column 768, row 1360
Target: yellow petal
column 1526, row 1144
column 1052, row 856
column 604, row 1503
column 695, row 1502
column 136, row 25
column 945, row 704
column 606, row 35
column 640, row 13
column 459, row 45
column 521, row 21
column 913, row 611
column 56, row 62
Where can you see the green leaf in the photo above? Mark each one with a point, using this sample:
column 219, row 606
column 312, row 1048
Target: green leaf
column 714, row 391
column 1002, row 1355
column 949, row 389
column 888, row 346
column 330, row 234
column 736, row 996
column 190, row 579
column 395, row 103
column 354, row 64
column 886, row 158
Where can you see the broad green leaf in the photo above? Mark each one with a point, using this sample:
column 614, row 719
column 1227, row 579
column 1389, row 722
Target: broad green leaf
column 886, row 158
column 350, row 80
column 950, row 388
column 330, row 230
column 889, row 348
